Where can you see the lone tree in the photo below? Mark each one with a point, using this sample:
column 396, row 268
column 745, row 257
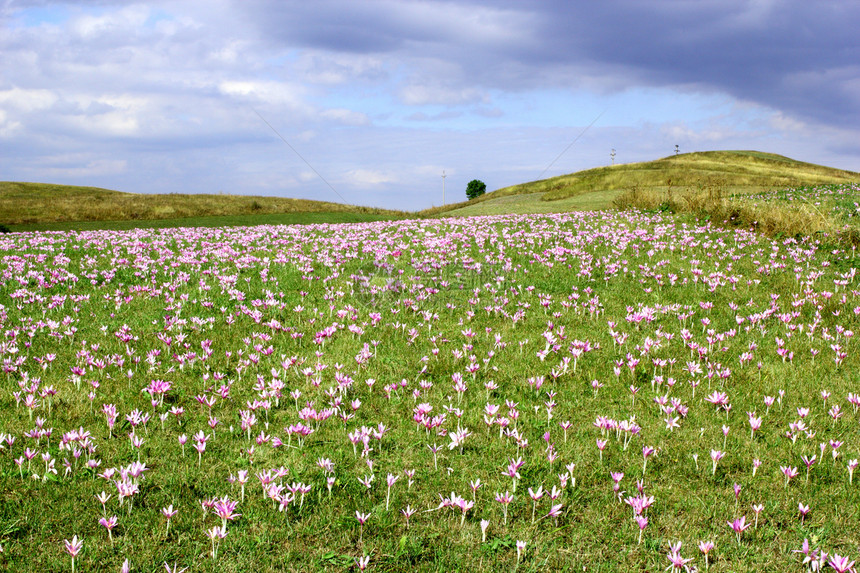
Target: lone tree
column 475, row 188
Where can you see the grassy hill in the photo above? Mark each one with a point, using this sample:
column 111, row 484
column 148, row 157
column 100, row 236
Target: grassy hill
column 39, row 206
column 733, row 171
column 43, row 206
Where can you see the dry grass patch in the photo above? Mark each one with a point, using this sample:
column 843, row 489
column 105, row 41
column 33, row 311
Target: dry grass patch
column 23, row 203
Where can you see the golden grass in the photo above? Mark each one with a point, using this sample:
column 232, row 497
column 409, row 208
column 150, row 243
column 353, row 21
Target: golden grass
column 734, row 171
column 23, row 203
column 741, row 169
column 711, row 201
column 687, row 175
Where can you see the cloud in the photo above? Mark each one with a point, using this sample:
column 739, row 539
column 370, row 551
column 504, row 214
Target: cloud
column 440, row 95
column 369, row 178
column 265, row 92
column 457, row 52
column 78, row 166
column 345, row 116
column 27, row 100
column 7, row 128
column 382, row 95
column 441, row 116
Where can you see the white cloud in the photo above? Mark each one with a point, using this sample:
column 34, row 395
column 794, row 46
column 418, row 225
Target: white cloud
column 426, row 94
column 369, row 177
column 345, row 116
column 94, row 168
column 7, row 128
column 27, row 100
column 90, row 26
column 263, row 91
column 784, row 123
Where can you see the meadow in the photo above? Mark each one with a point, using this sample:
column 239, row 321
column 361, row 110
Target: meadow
column 592, row 391
column 52, row 207
column 649, row 184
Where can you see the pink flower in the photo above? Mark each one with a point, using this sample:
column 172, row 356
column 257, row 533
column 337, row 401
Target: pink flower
column 642, row 522
column 408, row 512
column 803, row 509
column 705, row 547
column 840, row 564
column 73, row 548
column 674, row 557
column 521, row 549
column 716, row 456
column 109, row 524
column 224, row 509
column 739, row 526
column 789, row 473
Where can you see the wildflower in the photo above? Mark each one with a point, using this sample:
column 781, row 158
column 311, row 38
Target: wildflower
column 73, row 548
column 213, row 534
column 407, row 512
column 757, row 509
column 391, row 479
column 362, row 519
column 739, row 526
column 677, row 562
column 536, row 496
column 840, row 564
column 169, row 513
column 521, row 549
column 852, row 465
column 803, row 509
column 705, row 547
column 224, row 508
column 789, row 473
column 505, row 499
column 109, row 524
column 716, row 456
column 642, row 522
column 646, row 452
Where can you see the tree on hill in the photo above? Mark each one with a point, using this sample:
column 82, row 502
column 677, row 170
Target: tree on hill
column 475, row 188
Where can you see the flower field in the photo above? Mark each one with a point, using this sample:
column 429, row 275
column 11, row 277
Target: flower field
column 585, row 391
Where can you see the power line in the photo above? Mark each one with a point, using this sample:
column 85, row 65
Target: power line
column 581, row 133
column 300, row 156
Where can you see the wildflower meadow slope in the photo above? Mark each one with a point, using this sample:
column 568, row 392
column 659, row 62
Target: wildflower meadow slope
column 609, row 391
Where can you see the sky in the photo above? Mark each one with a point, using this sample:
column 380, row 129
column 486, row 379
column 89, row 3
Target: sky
column 369, row 102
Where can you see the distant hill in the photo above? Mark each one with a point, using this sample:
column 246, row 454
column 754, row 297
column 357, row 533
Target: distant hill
column 734, row 171
column 44, row 204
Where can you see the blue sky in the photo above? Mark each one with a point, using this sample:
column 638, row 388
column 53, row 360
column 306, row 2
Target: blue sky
column 381, row 96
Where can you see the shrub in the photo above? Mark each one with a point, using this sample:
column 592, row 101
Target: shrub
column 475, row 189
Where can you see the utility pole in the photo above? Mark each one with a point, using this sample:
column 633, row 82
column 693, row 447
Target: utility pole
column 443, row 187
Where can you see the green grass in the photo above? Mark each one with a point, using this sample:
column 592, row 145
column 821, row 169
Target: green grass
column 410, row 305
column 41, row 203
column 37, row 206
column 742, row 172
column 300, row 218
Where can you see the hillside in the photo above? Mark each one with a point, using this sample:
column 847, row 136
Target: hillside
column 45, row 204
column 41, row 206
column 733, row 171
